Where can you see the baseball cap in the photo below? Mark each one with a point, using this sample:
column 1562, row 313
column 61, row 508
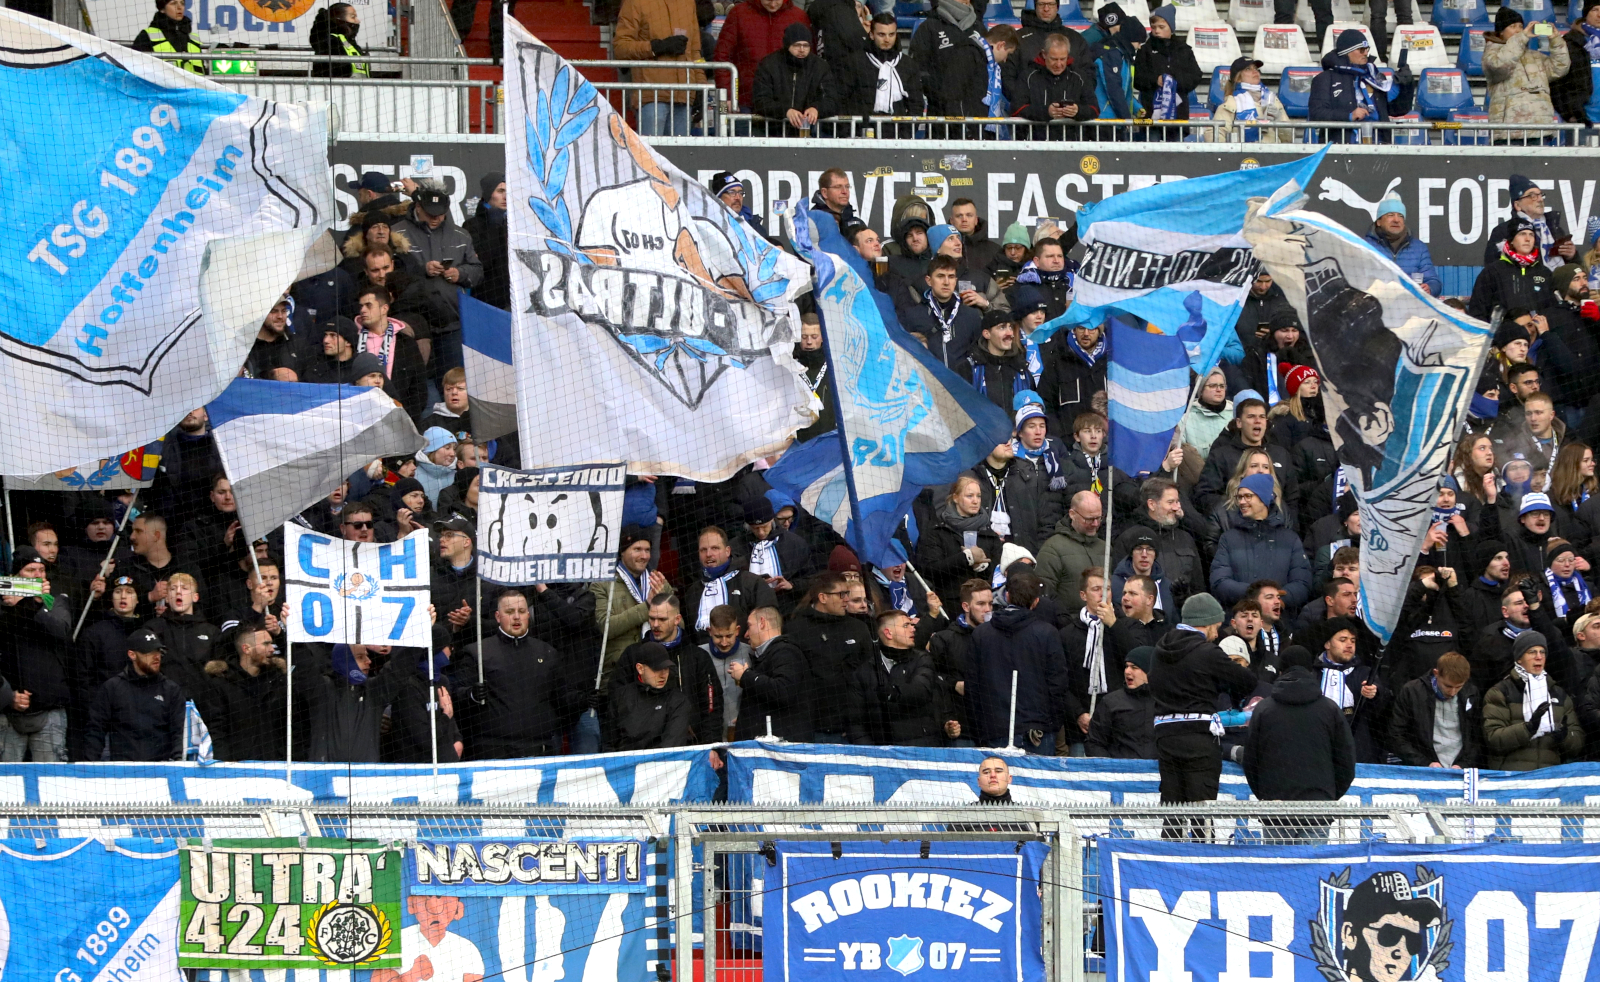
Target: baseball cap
column 342, row 326
column 456, row 523
column 374, row 181
column 431, row 201
column 1385, row 893
column 653, row 655
column 145, row 640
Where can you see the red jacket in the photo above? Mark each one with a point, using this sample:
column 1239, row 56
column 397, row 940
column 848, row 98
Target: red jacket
column 748, row 35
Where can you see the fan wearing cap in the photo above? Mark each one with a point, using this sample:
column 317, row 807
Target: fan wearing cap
column 1514, row 276
column 647, row 713
column 1259, row 545
column 727, row 186
column 454, row 577
column 449, row 264
column 1249, row 101
column 1299, row 747
column 137, row 715
column 1023, row 483
column 487, row 227
column 635, row 583
column 774, row 552
column 1123, row 725
column 1112, row 42
column 1350, row 89
column 1529, row 721
column 103, row 639
column 1390, row 239
column 340, row 335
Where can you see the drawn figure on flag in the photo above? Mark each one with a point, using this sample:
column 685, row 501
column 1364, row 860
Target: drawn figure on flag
column 1388, row 928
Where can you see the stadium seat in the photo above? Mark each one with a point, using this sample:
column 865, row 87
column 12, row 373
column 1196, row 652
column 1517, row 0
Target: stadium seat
column 1192, row 13
column 1294, row 88
column 1218, row 90
column 1533, row 10
column 1456, row 16
column 1350, row 25
column 1423, row 44
column 1470, row 57
column 1213, row 44
column 1443, row 90
column 1465, row 137
column 1278, row 46
column 1308, row 20
column 1403, row 138
column 1247, row 15
column 1137, row 9
column 911, row 13
column 1000, row 12
column 1071, row 10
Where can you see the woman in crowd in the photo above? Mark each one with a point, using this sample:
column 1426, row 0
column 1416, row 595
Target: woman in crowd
column 960, row 545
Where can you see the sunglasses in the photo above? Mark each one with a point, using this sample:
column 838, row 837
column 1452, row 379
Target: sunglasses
column 359, row 525
column 1390, row 936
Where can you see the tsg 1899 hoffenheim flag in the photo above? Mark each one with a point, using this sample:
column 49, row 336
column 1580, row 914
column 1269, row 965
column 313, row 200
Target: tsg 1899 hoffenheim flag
column 152, row 219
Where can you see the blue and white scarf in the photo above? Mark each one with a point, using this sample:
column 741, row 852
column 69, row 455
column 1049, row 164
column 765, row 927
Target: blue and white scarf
column 714, row 593
column 1442, row 516
column 1367, row 78
column 1035, row 361
column 1166, row 99
column 945, row 323
column 764, row 559
column 1089, row 357
column 981, row 383
column 1558, row 599
column 1031, row 273
column 1272, row 380
column 1248, row 103
column 995, row 99
column 639, row 587
column 1591, row 42
column 899, row 596
column 1046, row 456
column 1335, row 685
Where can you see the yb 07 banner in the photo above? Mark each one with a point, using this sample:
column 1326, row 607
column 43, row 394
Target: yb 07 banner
column 344, row 592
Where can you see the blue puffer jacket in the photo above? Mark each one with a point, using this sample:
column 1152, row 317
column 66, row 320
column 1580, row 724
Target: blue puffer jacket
column 1253, row 550
column 1412, row 258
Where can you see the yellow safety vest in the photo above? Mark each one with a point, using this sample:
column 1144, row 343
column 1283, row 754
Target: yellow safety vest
column 160, row 43
column 360, row 68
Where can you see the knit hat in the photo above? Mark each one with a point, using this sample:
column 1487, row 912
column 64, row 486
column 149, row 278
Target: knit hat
column 795, row 33
column 1588, row 5
column 723, row 182
column 22, row 557
column 438, row 438
column 1030, row 298
column 1563, row 275
column 1202, row 610
column 1283, row 317
column 1324, row 631
column 1242, row 395
column 1350, row 40
column 1168, row 13
column 1259, row 485
column 403, row 487
column 843, row 560
column 1017, row 233
column 1109, row 15
column 758, row 511
column 1144, row 656
column 994, row 317
column 375, row 217
column 1526, row 640
column 344, row 327
column 488, row 182
column 1520, row 185
column 1391, row 205
column 1234, row 647
column 1142, row 537
column 1535, row 501
column 630, row 535
column 365, row 364
column 1510, row 331
column 1030, row 410
column 1555, row 549
column 1485, row 552
column 1298, row 376
column 937, row 234
column 1449, row 483
column 1348, row 505
column 1298, row 656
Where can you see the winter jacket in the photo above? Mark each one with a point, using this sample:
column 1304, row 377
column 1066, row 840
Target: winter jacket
column 776, row 688
column 997, row 377
column 629, row 618
column 1505, row 283
column 1223, row 460
column 34, row 658
column 345, row 718
column 326, row 41
column 695, row 675
column 1031, row 36
column 1511, row 435
column 1064, row 557
column 750, row 34
column 1015, row 640
column 745, row 592
column 1298, row 747
column 1571, row 94
column 1502, row 232
column 1519, row 79
column 1202, row 426
column 139, row 716
column 784, row 82
column 895, row 705
column 1186, row 676
column 839, row 34
column 917, row 318
column 641, row 21
column 1411, row 255
column 487, row 227
column 950, row 648
column 438, row 296
column 979, row 252
column 941, row 560
column 1176, row 554
column 835, row 645
column 955, row 67
column 1411, row 724
column 1334, row 100
column 642, row 718
column 857, row 78
column 1123, row 725
column 1578, row 380
column 1229, row 128
column 1507, row 736
column 1165, row 599
column 1039, row 89
column 1264, row 549
column 103, row 648
column 1033, row 506
column 179, row 36
column 1166, row 56
column 189, row 641
column 245, row 713
column 453, row 587
column 526, row 699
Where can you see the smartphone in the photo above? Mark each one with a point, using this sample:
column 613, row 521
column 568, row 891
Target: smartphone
column 963, row 286
column 447, row 263
column 1544, row 29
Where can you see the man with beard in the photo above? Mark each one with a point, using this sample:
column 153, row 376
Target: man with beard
column 272, row 356
column 894, row 695
column 382, row 267
column 1176, row 550
column 1383, row 927
column 814, row 360
column 882, row 80
column 1571, row 318
column 188, row 460
column 997, row 366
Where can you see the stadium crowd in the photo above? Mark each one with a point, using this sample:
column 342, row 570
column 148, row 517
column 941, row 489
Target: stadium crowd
column 1221, row 620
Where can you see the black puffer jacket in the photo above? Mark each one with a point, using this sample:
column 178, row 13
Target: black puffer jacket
column 245, row 713
column 188, row 640
column 898, row 705
column 1014, row 639
column 694, row 675
column 1124, row 725
column 1505, row 283
column 955, row 68
column 784, row 82
column 139, row 716
column 1298, row 747
column 835, row 646
column 1033, row 507
column 1166, row 56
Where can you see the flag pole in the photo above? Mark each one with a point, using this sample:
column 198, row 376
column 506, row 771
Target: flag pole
column 477, row 616
column 105, row 564
column 1194, row 395
column 433, row 702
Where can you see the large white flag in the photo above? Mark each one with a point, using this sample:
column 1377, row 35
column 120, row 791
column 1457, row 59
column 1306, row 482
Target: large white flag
column 152, row 219
column 650, row 324
column 343, row 592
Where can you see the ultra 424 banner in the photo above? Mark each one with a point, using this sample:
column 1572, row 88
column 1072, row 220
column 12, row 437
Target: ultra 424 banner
column 967, row 910
column 1364, row 913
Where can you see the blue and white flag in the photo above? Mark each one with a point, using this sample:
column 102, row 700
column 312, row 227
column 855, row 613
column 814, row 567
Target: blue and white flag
column 652, row 325
column 1398, row 372
column 287, row 445
column 342, row 592
column 1147, row 391
column 152, row 219
column 1151, row 249
column 905, row 421
column 486, row 358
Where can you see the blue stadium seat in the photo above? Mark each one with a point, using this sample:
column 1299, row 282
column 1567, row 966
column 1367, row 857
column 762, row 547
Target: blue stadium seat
column 1456, row 16
column 1070, row 10
column 1000, row 12
column 1294, row 88
column 1402, row 138
column 911, row 13
column 1219, row 87
column 1534, row 10
column 1466, row 137
column 1470, row 58
column 1442, row 90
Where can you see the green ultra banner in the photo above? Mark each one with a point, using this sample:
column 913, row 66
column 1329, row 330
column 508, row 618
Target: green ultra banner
column 290, row 903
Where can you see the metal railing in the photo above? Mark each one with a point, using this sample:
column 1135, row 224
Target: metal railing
column 432, row 36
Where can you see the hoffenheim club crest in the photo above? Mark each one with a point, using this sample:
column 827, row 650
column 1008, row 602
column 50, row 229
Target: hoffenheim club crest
column 905, row 954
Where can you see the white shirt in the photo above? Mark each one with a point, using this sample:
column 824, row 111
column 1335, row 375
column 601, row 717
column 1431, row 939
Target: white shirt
column 453, row 958
column 634, row 221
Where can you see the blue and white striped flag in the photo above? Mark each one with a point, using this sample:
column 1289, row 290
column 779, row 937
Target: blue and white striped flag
column 1147, row 390
column 287, row 445
column 1153, row 248
column 486, row 358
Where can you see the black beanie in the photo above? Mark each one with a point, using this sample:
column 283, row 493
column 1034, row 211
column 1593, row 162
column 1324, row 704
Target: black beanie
column 1484, row 554
column 795, row 33
column 1505, row 18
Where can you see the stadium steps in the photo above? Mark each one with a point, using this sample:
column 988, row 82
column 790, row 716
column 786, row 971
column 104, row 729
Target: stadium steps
column 565, row 25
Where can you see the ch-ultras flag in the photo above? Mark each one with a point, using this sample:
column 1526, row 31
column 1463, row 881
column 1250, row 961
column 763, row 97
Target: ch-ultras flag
column 152, row 219
column 1398, row 371
column 1152, row 248
column 651, row 325
column 343, row 592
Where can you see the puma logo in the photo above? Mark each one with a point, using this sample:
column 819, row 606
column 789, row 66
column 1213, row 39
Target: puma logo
column 1336, row 190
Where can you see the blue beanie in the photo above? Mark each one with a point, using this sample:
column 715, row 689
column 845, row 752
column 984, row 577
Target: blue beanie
column 1392, row 205
column 937, row 235
column 1259, row 485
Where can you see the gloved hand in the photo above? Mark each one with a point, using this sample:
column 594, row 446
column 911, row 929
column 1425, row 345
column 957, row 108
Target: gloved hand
column 1559, row 735
column 1589, row 310
column 479, row 693
column 1403, row 77
column 667, row 47
column 1538, row 714
column 596, row 699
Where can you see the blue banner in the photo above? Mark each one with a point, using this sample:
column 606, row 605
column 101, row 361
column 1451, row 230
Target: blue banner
column 968, row 910
column 1381, row 911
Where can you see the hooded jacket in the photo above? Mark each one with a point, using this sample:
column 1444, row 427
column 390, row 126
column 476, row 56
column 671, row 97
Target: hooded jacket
column 1015, row 640
column 1187, row 674
column 1411, row 724
column 955, row 67
column 1123, row 725
column 1298, row 747
column 895, row 704
column 1333, row 97
column 1260, row 549
column 139, row 716
column 835, row 646
column 750, row 34
column 437, row 296
column 244, row 713
column 784, row 82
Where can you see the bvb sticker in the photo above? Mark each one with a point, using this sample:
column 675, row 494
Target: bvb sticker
column 277, row 10
column 1089, row 164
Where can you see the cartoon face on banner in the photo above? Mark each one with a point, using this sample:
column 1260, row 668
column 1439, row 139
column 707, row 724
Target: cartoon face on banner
column 549, row 525
column 1387, row 928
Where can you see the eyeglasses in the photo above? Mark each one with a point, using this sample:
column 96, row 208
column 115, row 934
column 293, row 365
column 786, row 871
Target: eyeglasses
column 359, row 525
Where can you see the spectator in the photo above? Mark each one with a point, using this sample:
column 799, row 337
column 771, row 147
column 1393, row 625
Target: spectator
column 1536, row 434
column 1187, row 674
column 1391, row 239
column 955, row 66
column 333, row 35
column 994, row 782
column 339, row 339
column 374, row 228
column 893, row 699
column 153, row 562
column 171, row 30
column 1247, row 432
column 454, row 579
column 665, row 31
column 1520, row 67
column 1136, row 623
column 244, row 696
column 1047, row 274
column 1123, row 726
column 1353, row 687
column 138, row 713
column 774, row 685
column 795, row 85
column 1089, row 466
column 1165, row 72
column 961, row 541
column 449, row 263
column 1038, row 23
column 974, row 287
column 1269, row 360
column 1575, row 96
column 623, row 612
column 525, row 699
column 487, row 227
column 1298, row 747
column 186, row 639
column 976, row 246
column 833, row 196
column 273, row 355
column 346, row 695
column 753, row 30
column 1350, row 89
column 1435, row 721
column 1514, row 276
column 648, row 714
column 1015, row 640
column 1208, row 417
column 1161, row 520
column 1022, row 483
column 951, row 651
column 692, row 670
column 396, row 348
column 1144, row 560
column 1246, row 623
column 774, row 553
column 948, row 326
column 1113, row 42
column 452, row 414
column 1569, row 592
column 1248, row 102
column 840, row 34
column 1529, row 722
column 722, row 582
column 724, row 649
column 1259, row 545
column 1570, row 317
column 1053, row 90
column 358, row 524
column 730, row 191
column 835, row 645
column 102, row 646
column 1076, row 545
column 997, row 365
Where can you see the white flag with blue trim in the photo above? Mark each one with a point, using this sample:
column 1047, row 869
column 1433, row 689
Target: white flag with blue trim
column 153, row 217
column 491, row 379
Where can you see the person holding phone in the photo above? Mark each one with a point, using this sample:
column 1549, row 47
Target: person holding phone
column 1519, row 65
column 1576, row 95
column 1055, row 93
